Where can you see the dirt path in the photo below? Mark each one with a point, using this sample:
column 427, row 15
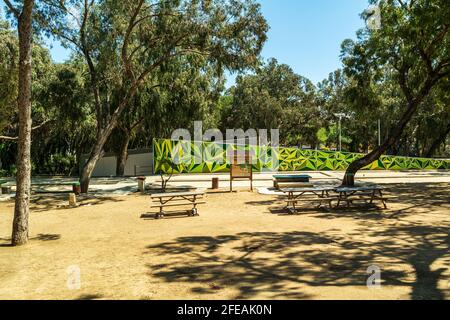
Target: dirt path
column 242, row 246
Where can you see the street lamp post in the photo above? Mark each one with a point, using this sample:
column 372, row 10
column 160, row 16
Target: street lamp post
column 340, row 134
column 340, row 116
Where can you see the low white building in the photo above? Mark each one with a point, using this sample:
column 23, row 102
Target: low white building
column 139, row 163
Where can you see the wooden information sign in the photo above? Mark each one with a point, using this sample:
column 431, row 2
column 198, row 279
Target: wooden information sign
column 241, row 168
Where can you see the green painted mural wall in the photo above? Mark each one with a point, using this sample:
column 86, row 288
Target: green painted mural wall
column 212, row 159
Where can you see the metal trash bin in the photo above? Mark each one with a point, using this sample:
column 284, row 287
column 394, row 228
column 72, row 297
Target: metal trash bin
column 141, row 184
column 76, row 188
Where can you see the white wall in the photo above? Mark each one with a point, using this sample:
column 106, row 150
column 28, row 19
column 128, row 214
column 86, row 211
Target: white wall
column 106, row 167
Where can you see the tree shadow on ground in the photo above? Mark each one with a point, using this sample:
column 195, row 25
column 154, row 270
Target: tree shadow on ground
column 411, row 254
column 40, row 237
column 89, row 297
column 280, row 265
column 61, row 202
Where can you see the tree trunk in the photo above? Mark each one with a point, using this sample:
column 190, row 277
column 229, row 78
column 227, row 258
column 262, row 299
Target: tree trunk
column 88, row 168
column 122, row 155
column 438, row 142
column 102, row 137
column 397, row 129
column 97, row 151
column 392, row 139
column 22, row 200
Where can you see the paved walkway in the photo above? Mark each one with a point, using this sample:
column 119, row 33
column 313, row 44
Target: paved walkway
column 125, row 186
column 331, row 177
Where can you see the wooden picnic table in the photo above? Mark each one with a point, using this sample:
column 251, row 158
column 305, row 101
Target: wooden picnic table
column 329, row 194
column 320, row 194
column 178, row 199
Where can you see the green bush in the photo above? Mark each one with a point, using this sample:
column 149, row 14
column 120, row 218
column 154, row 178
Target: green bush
column 60, row 164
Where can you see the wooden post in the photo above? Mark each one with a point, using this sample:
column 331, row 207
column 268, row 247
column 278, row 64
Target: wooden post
column 72, row 200
column 215, row 183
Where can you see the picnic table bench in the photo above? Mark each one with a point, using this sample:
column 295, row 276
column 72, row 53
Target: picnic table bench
column 368, row 194
column 5, row 186
column 320, row 194
column 178, row 199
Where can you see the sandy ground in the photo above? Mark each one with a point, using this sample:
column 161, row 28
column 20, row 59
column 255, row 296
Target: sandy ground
column 243, row 246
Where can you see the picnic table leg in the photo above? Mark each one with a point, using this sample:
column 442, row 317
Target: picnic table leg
column 373, row 196
column 339, row 200
column 382, row 200
column 160, row 214
column 292, row 210
column 347, row 199
column 194, row 210
column 327, row 193
column 330, row 204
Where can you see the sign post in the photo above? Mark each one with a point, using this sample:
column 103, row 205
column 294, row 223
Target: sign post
column 241, row 168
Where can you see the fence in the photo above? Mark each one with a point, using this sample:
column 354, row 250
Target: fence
column 213, row 159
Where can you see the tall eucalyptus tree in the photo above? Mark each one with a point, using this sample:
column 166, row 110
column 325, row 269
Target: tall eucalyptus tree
column 126, row 42
column 413, row 41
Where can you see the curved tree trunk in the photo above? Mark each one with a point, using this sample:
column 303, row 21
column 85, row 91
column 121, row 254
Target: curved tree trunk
column 22, row 201
column 397, row 130
column 103, row 136
column 122, row 155
column 97, row 151
column 89, row 166
column 438, row 142
column 392, row 139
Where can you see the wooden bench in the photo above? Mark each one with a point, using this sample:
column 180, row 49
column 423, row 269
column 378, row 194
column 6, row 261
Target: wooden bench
column 178, row 199
column 5, row 187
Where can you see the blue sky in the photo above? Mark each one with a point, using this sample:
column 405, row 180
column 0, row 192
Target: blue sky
column 305, row 34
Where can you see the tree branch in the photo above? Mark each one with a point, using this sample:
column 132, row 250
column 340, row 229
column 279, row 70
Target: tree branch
column 403, row 83
column 8, row 138
column 126, row 40
column 12, row 9
column 438, row 38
